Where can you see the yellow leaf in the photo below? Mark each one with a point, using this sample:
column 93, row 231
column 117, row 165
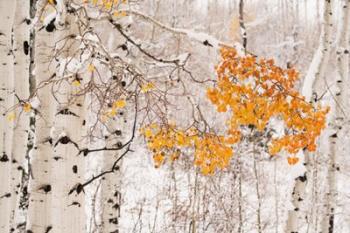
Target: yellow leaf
column 27, row 107
column 119, row 104
column 148, row 133
column 120, row 13
column 108, row 5
column 76, row 83
column 112, row 112
column 51, row 2
column 91, row 68
column 147, row 87
column 11, row 116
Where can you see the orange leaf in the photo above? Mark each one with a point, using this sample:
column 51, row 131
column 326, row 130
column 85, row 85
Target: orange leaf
column 292, row 160
column 27, row 107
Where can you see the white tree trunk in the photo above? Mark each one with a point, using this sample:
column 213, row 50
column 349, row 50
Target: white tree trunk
column 67, row 166
column 7, row 11
column 298, row 216
column 39, row 218
column 22, row 133
column 340, row 101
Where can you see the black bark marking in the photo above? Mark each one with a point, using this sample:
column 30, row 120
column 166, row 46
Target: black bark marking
column 77, row 188
column 302, row 178
column 206, row 43
column 75, row 203
column 124, row 47
column 331, row 221
column 57, row 158
column 65, row 140
column 118, row 132
column 46, row 188
column 116, row 206
column 75, row 169
column 110, row 201
column 4, row 158
column 7, row 195
column 66, row 111
column 49, row 140
column 27, row 21
column 48, row 229
column 26, row 47
column 113, row 221
column 50, row 27
column 21, row 226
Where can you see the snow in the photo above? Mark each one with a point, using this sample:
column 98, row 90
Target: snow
column 311, row 74
column 35, row 102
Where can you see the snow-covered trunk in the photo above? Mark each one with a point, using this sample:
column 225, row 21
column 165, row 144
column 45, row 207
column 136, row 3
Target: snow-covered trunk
column 298, row 216
column 40, row 183
column 337, row 121
column 15, row 84
column 67, row 167
column 7, row 197
column 111, row 184
column 23, row 130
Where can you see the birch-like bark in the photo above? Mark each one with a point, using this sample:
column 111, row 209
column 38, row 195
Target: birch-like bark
column 243, row 33
column 328, row 221
column 242, row 26
column 67, row 168
column 298, row 216
column 111, row 184
column 23, row 131
column 39, row 218
column 7, row 12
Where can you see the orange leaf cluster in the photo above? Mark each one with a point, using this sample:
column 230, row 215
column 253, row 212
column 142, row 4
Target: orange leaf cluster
column 210, row 151
column 256, row 91
column 253, row 92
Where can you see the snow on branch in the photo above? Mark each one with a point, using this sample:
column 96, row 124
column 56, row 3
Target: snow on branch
column 201, row 37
